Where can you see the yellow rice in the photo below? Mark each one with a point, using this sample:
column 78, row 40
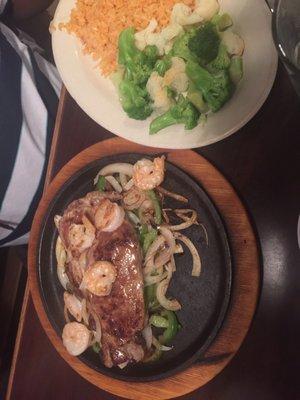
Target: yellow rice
column 98, row 23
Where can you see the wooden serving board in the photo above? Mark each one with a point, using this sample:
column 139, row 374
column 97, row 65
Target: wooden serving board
column 246, row 274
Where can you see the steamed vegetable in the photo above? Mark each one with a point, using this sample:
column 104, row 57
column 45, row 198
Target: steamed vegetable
column 138, row 64
column 182, row 71
column 134, row 100
column 205, row 43
column 236, row 69
column 181, row 46
column 215, row 88
column 183, row 112
column 196, row 98
column 222, row 61
column 161, row 66
column 222, row 21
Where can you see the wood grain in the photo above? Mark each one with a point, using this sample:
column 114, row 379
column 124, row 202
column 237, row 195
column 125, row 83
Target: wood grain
column 246, row 274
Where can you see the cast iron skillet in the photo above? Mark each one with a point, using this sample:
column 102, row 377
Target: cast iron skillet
column 204, row 300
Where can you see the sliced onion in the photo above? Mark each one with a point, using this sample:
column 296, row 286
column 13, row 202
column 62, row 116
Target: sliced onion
column 149, row 258
column 205, row 233
column 162, row 287
column 98, row 332
column 61, row 257
column 129, row 185
column 147, row 335
column 123, row 365
column 114, row 183
column 85, row 314
column 172, row 194
column 191, row 221
column 57, row 218
column 133, row 218
column 178, row 249
column 165, row 255
column 159, row 346
column 152, row 279
column 115, row 168
column 133, row 199
column 173, row 264
column 196, row 258
column 165, row 348
column 123, row 180
column 62, row 277
column 165, row 215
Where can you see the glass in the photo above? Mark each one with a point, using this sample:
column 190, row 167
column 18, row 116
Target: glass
column 286, row 33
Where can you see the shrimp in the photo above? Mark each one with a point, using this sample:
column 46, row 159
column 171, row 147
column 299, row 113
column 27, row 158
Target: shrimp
column 109, row 216
column 149, row 174
column 76, row 338
column 82, row 236
column 73, row 305
column 99, row 277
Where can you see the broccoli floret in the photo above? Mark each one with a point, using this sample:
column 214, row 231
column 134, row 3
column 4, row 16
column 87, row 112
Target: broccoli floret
column 205, row 43
column 138, row 64
column 183, row 112
column 236, row 69
column 180, row 47
column 162, row 66
column 222, row 21
column 134, row 100
column 215, row 88
column 150, row 54
column 196, row 98
column 222, row 61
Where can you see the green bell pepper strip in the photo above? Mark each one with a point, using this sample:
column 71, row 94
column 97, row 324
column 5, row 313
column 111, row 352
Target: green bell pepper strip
column 159, row 321
column 149, row 239
column 143, row 230
column 172, row 329
column 101, row 183
column 157, row 209
column 151, row 302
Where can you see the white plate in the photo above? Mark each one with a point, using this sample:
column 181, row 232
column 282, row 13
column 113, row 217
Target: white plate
column 98, row 97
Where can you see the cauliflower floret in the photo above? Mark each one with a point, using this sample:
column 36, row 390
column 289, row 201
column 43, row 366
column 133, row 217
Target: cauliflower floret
column 162, row 40
column 183, row 15
column 158, row 92
column 233, row 42
column 176, row 77
column 207, row 8
column 141, row 36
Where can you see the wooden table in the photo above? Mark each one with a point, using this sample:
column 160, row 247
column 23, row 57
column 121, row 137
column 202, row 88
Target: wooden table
column 262, row 161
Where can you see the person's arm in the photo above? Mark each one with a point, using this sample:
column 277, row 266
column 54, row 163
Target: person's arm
column 23, row 9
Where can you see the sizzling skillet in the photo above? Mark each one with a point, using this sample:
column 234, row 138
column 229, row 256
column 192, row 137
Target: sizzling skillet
column 204, row 300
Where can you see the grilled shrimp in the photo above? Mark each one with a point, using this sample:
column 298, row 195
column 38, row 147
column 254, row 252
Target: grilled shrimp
column 109, row 216
column 73, row 305
column 99, row 277
column 76, row 338
column 148, row 174
column 81, row 236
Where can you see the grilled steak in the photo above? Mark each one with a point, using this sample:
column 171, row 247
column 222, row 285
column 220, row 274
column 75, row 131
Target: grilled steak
column 121, row 312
